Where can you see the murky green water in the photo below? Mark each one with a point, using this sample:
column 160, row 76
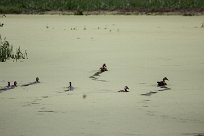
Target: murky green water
column 138, row 50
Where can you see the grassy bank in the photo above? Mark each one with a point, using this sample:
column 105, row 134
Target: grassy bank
column 40, row 6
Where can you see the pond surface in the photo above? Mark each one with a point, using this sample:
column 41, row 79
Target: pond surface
column 138, row 52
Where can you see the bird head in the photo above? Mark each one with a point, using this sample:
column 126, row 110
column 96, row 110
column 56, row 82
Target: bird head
column 165, row 78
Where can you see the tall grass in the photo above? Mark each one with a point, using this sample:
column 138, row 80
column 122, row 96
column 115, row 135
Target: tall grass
column 6, row 51
column 30, row 6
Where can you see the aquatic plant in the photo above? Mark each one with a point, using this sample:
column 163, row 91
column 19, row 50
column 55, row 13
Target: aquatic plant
column 6, row 51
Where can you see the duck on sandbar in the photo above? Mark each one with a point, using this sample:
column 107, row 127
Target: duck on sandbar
column 126, row 88
column 103, row 68
column 162, row 83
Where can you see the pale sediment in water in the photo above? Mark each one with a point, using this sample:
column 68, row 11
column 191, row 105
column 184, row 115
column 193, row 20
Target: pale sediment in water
column 139, row 51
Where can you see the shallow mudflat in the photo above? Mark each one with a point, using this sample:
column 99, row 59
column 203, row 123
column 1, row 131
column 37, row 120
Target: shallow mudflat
column 138, row 51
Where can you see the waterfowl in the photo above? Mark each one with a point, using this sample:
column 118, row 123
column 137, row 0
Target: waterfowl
column 103, row 68
column 15, row 84
column 126, row 88
column 37, row 80
column 70, row 87
column 162, row 83
column 9, row 87
column 9, row 84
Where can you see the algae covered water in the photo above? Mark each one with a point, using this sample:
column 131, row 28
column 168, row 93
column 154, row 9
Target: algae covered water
column 138, row 52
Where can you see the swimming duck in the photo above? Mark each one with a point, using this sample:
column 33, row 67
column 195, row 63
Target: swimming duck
column 70, row 87
column 162, row 83
column 126, row 88
column 37, row 80
column 9, row 84
column 103, row 68
column 15, row 83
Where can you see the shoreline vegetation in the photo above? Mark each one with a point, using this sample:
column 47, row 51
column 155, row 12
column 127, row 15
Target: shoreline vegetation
column 103, row 7
column 7, row 52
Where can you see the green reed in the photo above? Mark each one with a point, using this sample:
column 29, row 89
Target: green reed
column 36, row 6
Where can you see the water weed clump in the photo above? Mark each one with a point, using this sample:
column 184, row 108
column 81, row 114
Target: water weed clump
column 6, row 51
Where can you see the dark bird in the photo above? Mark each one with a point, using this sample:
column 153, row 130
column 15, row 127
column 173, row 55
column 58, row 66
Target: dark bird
column 126, row 88
column 162, row 83
column 70, row 87
column 9, row 84
column 15, row 83
column 103, row 68
column 37, row 80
